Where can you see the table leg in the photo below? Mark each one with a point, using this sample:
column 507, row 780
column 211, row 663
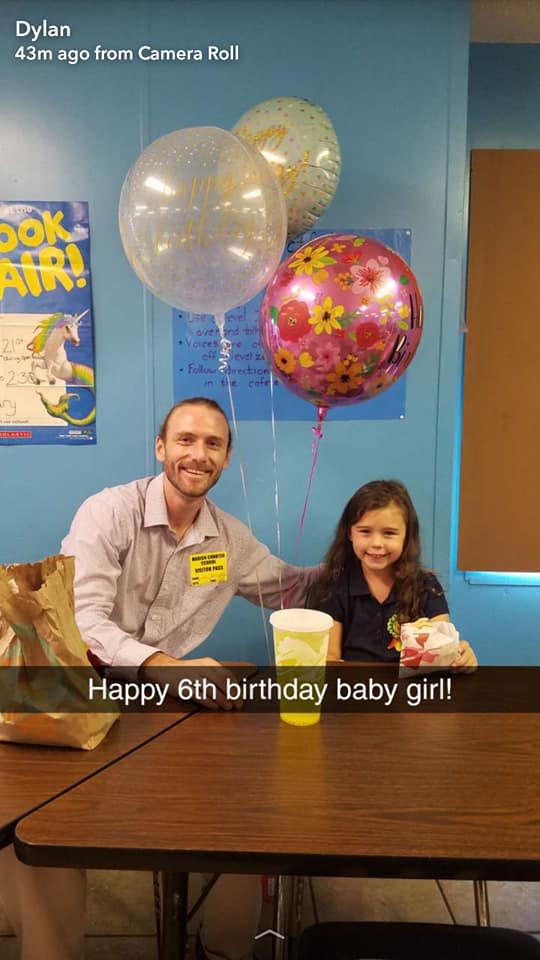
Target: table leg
column 481, row 903
column 173, row 932
column 295, row 915
column 280, row 944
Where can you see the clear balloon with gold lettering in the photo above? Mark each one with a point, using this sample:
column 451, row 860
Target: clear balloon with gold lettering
column 203, row 221
column 298, row 140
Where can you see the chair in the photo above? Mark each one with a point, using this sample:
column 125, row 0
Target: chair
column 414, row 941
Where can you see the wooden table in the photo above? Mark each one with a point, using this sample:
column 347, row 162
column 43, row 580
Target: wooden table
column 32, row 775
column 402, row 795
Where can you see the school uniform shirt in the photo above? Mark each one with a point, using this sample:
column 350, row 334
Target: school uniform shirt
column 137, row 590
column 368, row 626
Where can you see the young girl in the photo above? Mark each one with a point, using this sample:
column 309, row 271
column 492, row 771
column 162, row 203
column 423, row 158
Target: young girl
column 372, row 580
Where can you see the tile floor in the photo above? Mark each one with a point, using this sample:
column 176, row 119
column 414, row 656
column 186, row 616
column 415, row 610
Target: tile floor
column 121, row 917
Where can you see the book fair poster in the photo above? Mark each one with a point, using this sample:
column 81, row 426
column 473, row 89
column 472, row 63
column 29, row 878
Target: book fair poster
column 196, row 357
column 47, row 381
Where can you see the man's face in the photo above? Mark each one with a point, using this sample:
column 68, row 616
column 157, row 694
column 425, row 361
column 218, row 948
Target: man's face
column 194, row 452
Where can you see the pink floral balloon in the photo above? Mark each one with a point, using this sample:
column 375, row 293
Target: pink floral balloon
column 341, row 319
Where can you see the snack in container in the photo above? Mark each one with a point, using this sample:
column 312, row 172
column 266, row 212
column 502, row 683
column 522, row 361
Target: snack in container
column 427, row 645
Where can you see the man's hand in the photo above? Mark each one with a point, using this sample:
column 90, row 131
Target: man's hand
column 158, row 668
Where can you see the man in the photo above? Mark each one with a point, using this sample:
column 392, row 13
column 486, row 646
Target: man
column 139, row 548
column 143, row 602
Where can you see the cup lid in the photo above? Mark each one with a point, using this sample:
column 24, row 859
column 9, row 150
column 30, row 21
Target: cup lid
column 301, row 620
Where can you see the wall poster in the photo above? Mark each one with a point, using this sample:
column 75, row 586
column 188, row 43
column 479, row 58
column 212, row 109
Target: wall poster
column 47, row 382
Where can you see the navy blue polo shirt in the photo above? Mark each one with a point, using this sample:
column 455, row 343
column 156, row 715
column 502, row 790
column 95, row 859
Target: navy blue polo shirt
column 366, row 629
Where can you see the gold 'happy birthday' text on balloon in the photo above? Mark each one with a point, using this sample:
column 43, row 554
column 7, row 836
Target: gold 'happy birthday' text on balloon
column 212, row 214
column 297, row 138
column 268, row 142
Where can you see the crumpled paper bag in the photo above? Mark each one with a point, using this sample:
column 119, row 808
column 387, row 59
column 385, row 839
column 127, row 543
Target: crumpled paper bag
column 427, row 645
column 43, row 690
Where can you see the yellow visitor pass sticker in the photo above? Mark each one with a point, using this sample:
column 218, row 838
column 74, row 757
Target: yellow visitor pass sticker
column 208, row 568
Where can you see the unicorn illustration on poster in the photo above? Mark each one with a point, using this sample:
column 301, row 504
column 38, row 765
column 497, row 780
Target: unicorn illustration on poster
column 50, row 363
column 48, row 348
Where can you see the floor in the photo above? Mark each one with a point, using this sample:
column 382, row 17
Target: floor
column 121, row 917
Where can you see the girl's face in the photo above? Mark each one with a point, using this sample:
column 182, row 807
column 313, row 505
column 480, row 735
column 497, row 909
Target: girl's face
column 378, row 537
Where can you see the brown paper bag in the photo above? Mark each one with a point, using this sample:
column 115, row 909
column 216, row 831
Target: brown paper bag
column 38, row 631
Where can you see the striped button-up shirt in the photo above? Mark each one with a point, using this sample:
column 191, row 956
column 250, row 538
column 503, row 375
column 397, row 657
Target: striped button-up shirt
column 134, row 589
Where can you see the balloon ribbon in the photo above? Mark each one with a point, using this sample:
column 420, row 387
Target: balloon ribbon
column 246, row 501
column 318, row 435
column 225, row 345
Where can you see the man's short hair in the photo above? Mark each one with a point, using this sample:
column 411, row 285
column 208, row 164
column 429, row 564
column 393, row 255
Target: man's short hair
column 196, row 402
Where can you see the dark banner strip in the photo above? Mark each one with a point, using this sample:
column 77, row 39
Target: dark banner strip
column 338, row 689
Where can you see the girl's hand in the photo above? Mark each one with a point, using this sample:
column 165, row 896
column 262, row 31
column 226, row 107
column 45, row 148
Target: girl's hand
column 465, row 661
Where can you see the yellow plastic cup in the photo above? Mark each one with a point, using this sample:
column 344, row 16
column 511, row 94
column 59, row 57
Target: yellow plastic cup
column 300, row 647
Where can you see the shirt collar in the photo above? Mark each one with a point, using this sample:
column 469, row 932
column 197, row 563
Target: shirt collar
column 155, row 508
column 155, row 514
column 357, row 582
column 204, row 526
column 358, row 586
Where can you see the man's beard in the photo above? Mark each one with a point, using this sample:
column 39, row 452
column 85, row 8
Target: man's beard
column 176, row 482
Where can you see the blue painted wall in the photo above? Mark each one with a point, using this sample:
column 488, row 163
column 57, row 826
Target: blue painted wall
column 504, row 92
column 393, row 77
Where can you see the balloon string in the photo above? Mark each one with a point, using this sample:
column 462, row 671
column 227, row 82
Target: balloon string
column 276, row 483
column 318, row 435
column 225, row 345
column 246, row 501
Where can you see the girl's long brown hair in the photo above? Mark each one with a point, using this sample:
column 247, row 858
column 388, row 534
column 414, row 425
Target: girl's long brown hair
column 340, row 557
